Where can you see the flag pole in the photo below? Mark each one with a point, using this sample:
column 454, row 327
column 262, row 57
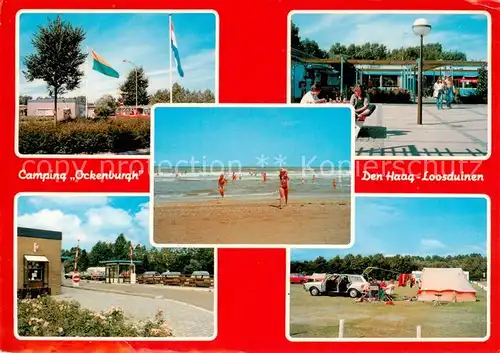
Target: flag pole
column 170, row 54
column 87, row 84
column 76, row 255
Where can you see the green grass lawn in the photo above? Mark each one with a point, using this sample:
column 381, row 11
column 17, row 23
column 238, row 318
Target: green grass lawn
column 318, row 317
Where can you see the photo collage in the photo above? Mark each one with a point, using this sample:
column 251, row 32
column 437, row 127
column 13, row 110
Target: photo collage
column 142, row 86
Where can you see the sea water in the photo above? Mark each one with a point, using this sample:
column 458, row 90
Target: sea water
column 198, row 184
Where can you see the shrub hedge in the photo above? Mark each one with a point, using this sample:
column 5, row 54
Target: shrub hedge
column 388, row 96
column 47, row 317
column 83, row 136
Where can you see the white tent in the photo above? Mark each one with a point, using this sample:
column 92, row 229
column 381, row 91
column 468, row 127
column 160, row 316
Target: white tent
column 445, row 284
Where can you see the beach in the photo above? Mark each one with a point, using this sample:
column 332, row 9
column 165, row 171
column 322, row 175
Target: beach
column 239, row 221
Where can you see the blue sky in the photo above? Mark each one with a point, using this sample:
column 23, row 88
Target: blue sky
column 415, row 226
column 88, row 217
column 141, row 38
column 466, row 33
column 245, row 133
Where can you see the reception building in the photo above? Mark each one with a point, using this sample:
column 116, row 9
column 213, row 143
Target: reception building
column 39, row 263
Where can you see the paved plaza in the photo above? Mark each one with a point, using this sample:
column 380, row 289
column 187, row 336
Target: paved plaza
column 458, row 132
column 188, row 311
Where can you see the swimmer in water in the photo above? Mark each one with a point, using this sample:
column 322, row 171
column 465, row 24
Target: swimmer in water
column 334, row 183
column 264, row 176
column 222, row 185
column 314, row 178
column 234, row 176
column 284, row 182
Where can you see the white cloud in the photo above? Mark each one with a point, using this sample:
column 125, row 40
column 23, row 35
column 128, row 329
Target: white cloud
column 142, row 217
column 91, row 222
column 109, row 218
column 69, row 201
column 432, row 244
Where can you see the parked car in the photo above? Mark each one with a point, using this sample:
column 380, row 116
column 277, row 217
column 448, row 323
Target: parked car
column 298, row 278
column 68, row 275
column 150, row 277
column 351, row 285
column 199, row 279
column 172, row 278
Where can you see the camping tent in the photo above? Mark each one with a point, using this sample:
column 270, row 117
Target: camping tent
column 451, row 283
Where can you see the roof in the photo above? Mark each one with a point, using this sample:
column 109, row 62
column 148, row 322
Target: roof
column 396, row 62
column 51, row 100
column 38, row 233
column 119, row 262
column 445, row 279
column 36, row 258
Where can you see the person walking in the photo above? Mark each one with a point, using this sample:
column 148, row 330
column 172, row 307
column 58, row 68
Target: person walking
column 449, row 91
column 438, row 93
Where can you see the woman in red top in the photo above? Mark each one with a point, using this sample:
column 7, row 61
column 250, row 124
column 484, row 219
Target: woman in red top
column 284, row 181
column 222, row 183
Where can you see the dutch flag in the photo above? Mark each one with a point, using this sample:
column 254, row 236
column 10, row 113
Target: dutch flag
column 175, row 49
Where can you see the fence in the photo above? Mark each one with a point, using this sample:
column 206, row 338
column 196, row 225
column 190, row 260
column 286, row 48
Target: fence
column 481, row 285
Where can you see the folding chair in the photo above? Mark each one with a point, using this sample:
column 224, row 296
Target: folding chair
column 388, row 296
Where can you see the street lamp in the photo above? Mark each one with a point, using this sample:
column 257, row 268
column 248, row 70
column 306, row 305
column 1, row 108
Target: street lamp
column 136, row 91
column 421, row 27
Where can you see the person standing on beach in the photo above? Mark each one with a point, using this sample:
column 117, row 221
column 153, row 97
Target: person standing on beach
column 234, row 176
column 222, row 184
column 314, row 178
column 264, row 176
column 284, row 181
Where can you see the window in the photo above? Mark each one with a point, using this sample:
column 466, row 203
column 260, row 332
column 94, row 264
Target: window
column 44, row 112
column 35, row 271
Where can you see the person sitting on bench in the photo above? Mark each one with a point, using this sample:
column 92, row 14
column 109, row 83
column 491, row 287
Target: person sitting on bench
column 361, row 104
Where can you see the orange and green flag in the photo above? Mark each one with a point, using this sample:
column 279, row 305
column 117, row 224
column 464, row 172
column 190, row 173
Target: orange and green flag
column 102, row 66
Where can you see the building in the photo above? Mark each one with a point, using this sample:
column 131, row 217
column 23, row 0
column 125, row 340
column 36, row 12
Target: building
column 337, row 75
column 39, row 263
column 66, row 108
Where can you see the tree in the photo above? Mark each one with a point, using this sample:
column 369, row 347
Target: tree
column 128, row 88
column 23, row 100
column 83, row 260
column 311, row 47
column 193, row 265
column 121, row 248
column 145, row 262
column 101, row 251
column 57, row 59
column 105, row 106
column 81, row 100
column 482, row 82
column 475, row 264
column 160, row 96
column 295, row 39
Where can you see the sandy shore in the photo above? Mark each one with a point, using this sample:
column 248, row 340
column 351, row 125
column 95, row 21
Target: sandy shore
column 325, row 221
